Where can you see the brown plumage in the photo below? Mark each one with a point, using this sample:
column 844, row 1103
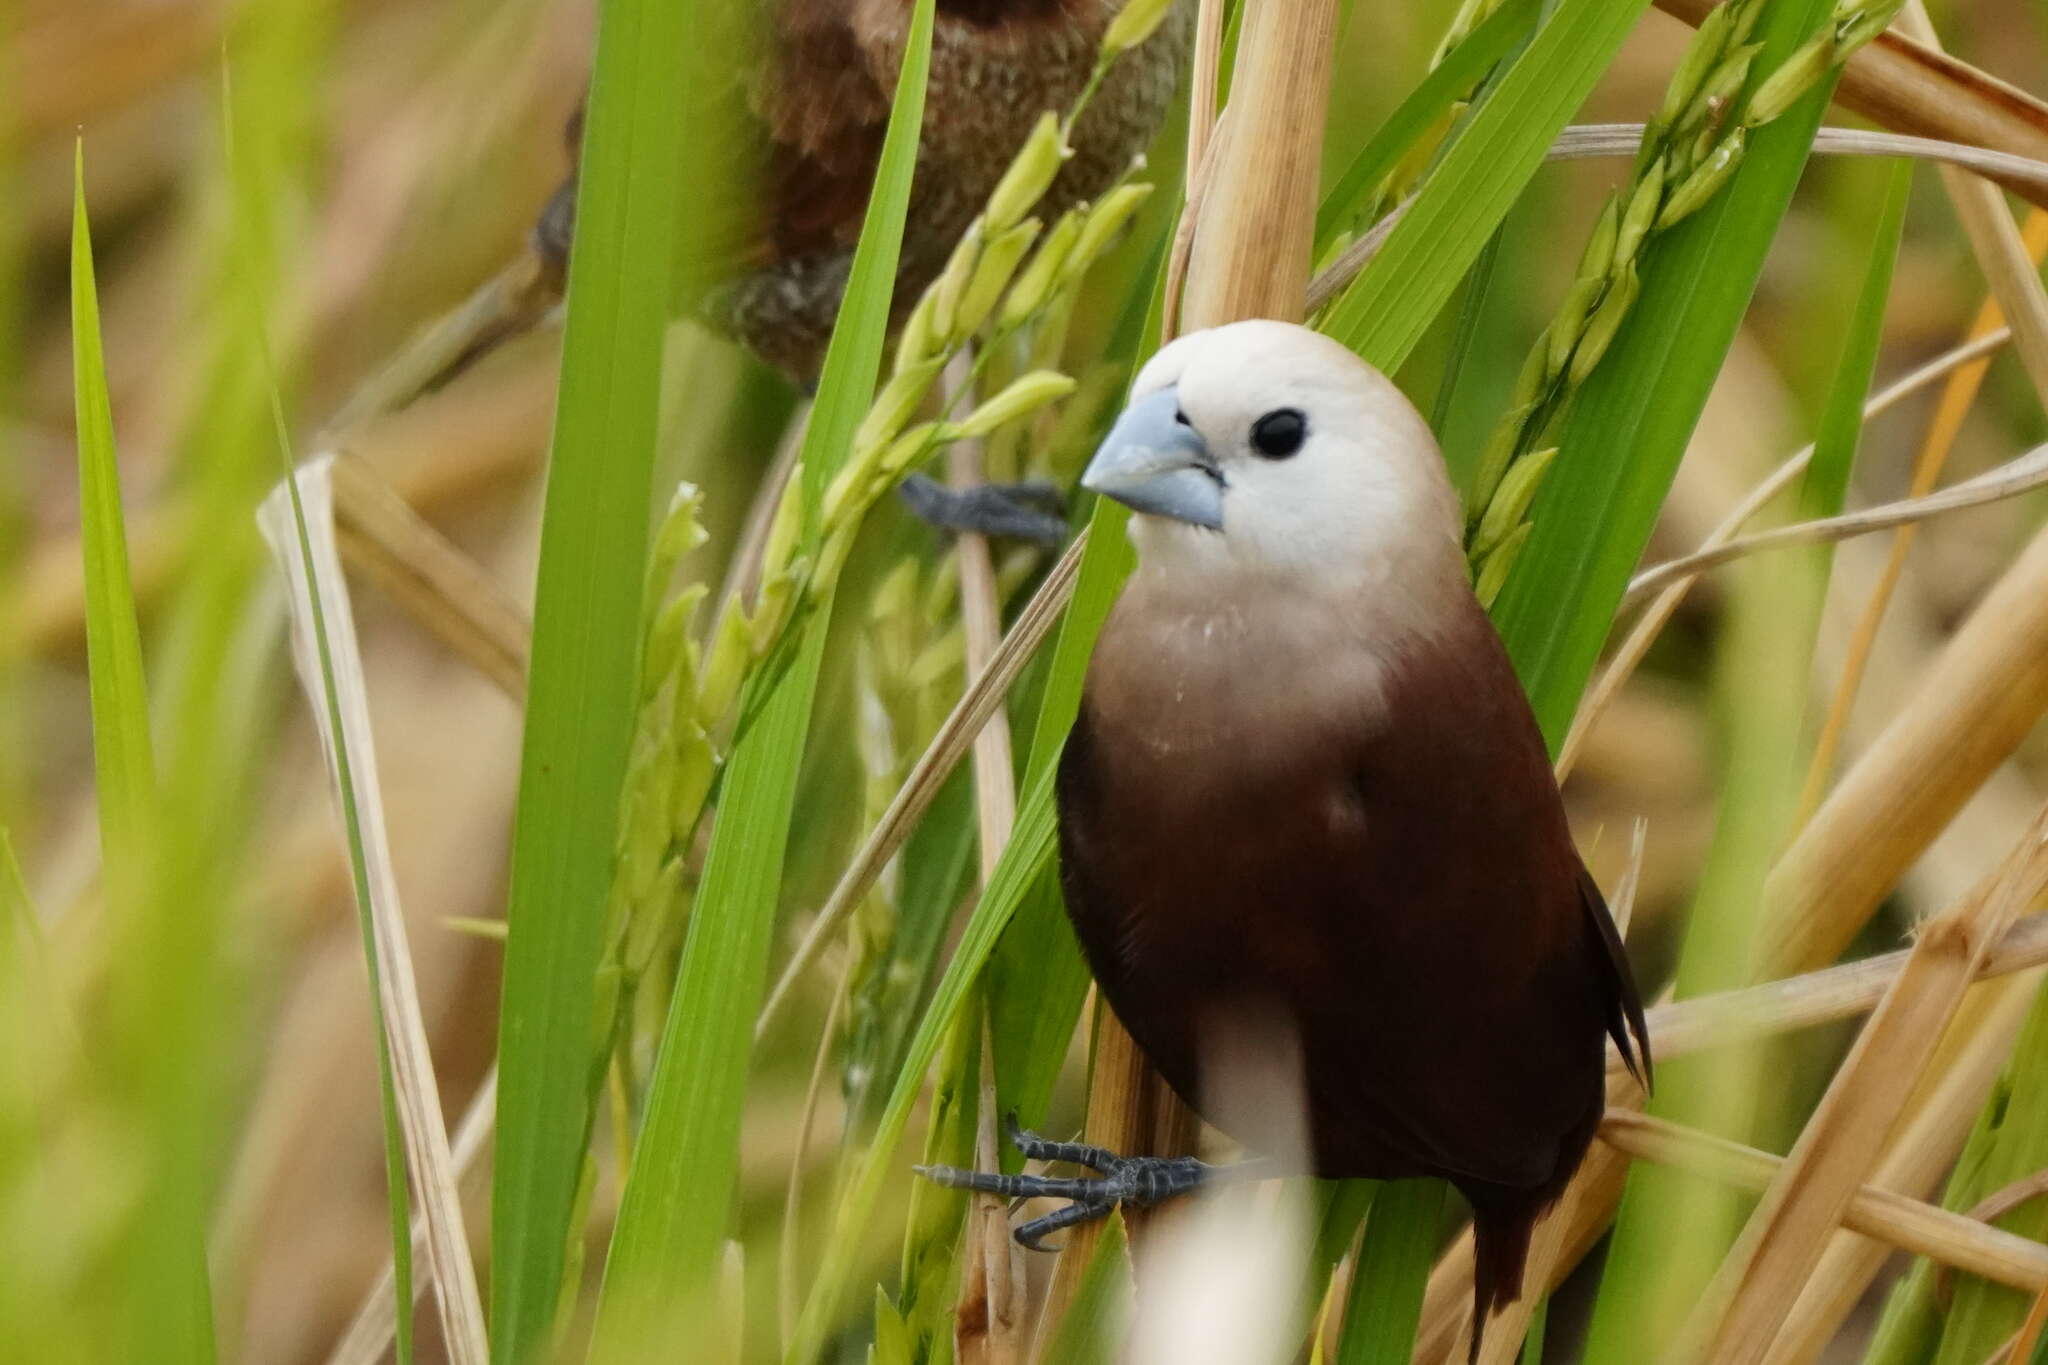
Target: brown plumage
column 1305, row 791
column 817, row 103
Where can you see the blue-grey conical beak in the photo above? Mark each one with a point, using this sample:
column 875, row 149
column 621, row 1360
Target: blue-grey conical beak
column 1151, row 461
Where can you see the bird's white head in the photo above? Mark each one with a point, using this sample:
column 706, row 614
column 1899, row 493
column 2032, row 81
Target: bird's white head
column 1264, row 448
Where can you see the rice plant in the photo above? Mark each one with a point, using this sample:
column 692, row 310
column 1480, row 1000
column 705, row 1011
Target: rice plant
column 652, row 858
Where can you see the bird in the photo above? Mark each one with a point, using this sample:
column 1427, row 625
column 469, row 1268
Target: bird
column 817, row 104
column 806, row 101
column 1305, row 786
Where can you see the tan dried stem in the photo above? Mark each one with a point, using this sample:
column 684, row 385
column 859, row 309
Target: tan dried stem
column 512, row 301
column 1639, row 639
column 1975, row 702
column 988, row 1325
column 315, row 576
column 1783, row 1241
column 1679, row 1028
column 1204, row 81
column 2018, row 476
column 449, row 594
column 1909, row 1224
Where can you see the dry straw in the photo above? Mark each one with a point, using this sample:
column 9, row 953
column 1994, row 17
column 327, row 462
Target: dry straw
column 1784, row 1239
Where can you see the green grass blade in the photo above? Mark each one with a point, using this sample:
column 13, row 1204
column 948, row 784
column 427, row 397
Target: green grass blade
column 1384, row 312
column 587, row 612
column 1825, row 488
column 1393, row 1268
column 1462, row 69
column 673, row 1212
column 124, row 764
column 1623, row 437
column 164, row 1311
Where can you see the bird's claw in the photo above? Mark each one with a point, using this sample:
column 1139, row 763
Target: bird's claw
column 1139, row 1181
column 1030, row 511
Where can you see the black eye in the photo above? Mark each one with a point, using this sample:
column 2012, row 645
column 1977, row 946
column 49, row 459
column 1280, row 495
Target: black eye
column 1279, row 433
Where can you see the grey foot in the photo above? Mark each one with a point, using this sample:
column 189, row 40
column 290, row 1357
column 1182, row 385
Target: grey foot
column 1137, row 1181
column 1011, row 511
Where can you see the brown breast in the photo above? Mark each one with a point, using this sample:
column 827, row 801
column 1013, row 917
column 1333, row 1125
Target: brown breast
column 1260, row 818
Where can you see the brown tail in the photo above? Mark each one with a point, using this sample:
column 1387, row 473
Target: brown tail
column 1500, row 1245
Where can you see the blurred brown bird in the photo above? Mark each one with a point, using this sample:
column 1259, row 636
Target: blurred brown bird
column 810, row 110
column 818, row 105
column 1305, row 794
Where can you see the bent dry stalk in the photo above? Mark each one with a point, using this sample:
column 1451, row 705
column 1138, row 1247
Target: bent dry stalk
column 1689, row 151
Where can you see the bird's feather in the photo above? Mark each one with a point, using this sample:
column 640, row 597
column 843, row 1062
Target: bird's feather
column 1270, row 811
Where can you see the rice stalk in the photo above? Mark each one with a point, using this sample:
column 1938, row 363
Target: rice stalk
column 1786, row 1235
column 1625, row 657
column 1722, row 1019
column 2020, row 475
column 1902, row 85
column 1711, row 109
column 1957, row 397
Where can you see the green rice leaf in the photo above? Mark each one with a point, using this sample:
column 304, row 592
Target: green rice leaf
column 124, row 763
column 672, row 1217
column 1462, row 69
column 1393, row 1268
column 1384, row 312
column 580, row 701
column 165, row 1310
column 1621, row 441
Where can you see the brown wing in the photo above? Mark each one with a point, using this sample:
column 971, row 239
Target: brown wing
column 1406, row 891
column 1625, row 1022
column 1458, row 895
